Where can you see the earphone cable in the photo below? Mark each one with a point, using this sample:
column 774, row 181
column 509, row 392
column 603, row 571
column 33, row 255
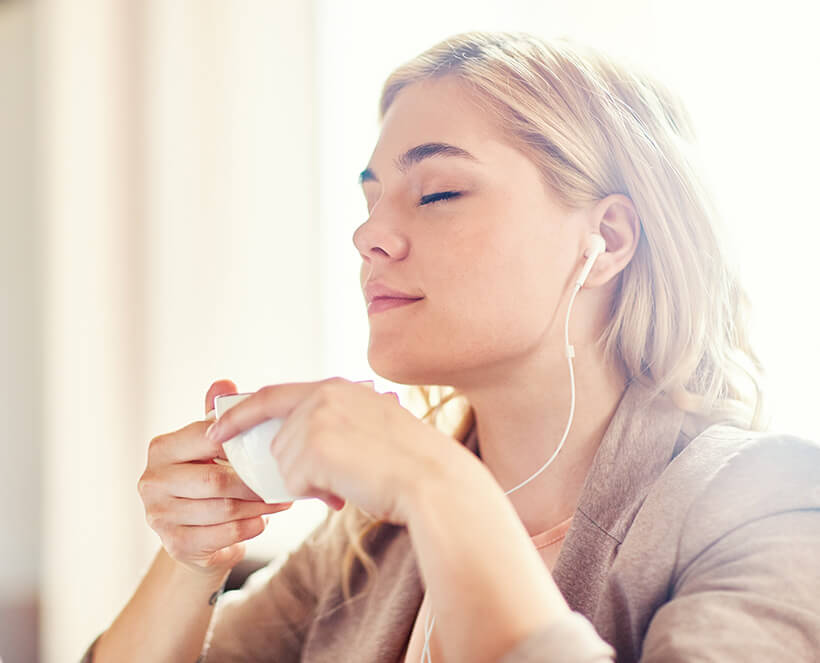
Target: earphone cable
column 570, row 352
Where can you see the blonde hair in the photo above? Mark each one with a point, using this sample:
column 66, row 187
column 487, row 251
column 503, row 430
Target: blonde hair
column 594, row 127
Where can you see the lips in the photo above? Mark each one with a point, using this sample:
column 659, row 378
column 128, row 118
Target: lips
column 379, row 304
column 375, row 290
column 381, row 297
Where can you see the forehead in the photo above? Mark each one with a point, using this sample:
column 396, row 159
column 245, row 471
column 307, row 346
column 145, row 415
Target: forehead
column 438, row 110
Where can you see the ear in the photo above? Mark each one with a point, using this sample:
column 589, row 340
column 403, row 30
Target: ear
column 616, row 220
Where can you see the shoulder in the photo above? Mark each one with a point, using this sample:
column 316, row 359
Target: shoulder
column 727, row 537
column 735, row 463
column 727, row 477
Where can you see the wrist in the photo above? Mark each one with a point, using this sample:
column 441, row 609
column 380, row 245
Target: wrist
column 451, row 469
column 207, row 579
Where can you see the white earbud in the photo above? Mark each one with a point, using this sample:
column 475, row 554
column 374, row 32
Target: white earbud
column 595, row 247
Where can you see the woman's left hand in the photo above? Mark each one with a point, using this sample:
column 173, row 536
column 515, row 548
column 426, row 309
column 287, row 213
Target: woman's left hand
column 341, row 440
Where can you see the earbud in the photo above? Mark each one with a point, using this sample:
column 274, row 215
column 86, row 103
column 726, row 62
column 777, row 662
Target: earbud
column 596, row 246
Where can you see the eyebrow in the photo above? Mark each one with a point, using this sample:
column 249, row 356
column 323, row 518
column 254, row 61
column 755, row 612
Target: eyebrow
column 419, row 153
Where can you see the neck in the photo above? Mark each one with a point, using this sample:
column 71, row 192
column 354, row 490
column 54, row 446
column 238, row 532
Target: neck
column 520, row 421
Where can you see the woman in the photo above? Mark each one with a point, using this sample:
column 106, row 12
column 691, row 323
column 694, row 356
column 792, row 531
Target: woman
column 668, row 528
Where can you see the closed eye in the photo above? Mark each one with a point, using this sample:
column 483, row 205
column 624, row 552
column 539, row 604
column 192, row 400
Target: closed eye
column 438, row 197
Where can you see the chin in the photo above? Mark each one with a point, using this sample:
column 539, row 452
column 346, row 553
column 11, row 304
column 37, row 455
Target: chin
column 404, row 369
column 412, row 369
column 403, row 374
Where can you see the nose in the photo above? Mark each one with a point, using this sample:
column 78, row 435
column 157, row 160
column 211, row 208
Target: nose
column 378, row 240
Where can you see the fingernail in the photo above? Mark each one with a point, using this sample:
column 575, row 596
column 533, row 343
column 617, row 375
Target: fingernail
column 369, row 383
column 211, row 415
column 211, row 432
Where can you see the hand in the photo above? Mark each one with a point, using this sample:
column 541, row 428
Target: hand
column 201, row 510
column 343, row 441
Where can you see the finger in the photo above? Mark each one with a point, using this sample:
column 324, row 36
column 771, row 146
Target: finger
column 211, row 538
column 209, row 480
column 184, row 445
column 215, row 511
column 273, row 401
column 287, row 446
column 288, row 454
column 218, row 388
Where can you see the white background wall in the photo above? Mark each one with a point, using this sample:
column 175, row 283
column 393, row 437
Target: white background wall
column 189, row 211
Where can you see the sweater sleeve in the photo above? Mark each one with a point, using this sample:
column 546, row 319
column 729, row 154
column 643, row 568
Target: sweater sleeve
column 748, row 576
column 268, row 618
column 269, row 615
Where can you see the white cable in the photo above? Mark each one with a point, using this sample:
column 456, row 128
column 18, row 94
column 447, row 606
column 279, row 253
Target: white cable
column 428, row 629
column 570, row 352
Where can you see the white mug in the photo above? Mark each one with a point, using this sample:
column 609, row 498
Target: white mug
column 249, row 454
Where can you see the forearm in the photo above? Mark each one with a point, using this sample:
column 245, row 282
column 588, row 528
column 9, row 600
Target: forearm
column 166, row 620
column 488, row 587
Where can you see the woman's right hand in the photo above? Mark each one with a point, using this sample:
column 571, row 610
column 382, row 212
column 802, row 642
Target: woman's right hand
column 201, row 510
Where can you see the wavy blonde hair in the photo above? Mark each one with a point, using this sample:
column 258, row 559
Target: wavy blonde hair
column 595, row 127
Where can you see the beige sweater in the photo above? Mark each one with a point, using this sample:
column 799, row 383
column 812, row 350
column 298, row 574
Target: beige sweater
column 688, row 544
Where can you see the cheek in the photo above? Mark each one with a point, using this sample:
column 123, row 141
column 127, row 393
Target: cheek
column 499, row 287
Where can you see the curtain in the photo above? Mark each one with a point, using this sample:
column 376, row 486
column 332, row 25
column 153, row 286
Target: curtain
column 180, row 246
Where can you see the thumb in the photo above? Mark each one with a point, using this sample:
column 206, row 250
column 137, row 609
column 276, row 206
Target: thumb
column 218, row 388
